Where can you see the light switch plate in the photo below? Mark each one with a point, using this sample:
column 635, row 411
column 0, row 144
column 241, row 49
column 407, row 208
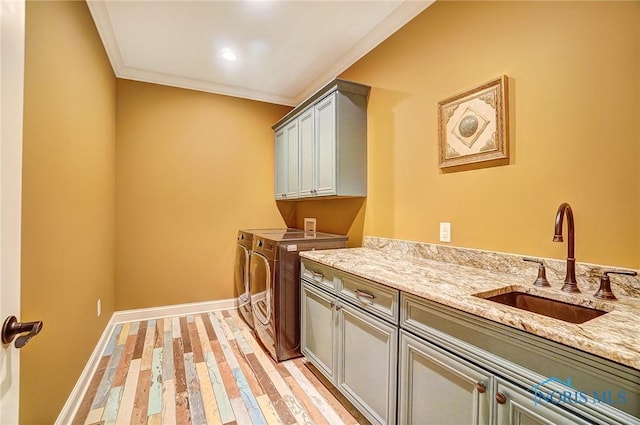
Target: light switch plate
column 445, row 232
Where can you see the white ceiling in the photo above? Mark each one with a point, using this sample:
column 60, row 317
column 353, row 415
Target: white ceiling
column 286, row 50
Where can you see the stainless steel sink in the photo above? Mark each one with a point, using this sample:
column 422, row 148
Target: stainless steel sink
column 571, row 313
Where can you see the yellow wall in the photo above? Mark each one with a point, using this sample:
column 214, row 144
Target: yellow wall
column 574, row 78
column 68, row 202
column 192, row 169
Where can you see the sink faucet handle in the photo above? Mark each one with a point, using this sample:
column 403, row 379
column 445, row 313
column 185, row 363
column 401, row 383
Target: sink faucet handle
column 541, row 280
column 604, row 292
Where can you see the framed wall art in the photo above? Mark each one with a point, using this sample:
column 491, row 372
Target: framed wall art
column 473, row 126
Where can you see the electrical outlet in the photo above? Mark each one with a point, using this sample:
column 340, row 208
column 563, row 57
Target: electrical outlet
column 99, row 307
column 309, row 225
column 445, row 232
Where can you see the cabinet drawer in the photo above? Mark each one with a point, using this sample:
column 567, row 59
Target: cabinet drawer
column 322, row 276
column 378, row 299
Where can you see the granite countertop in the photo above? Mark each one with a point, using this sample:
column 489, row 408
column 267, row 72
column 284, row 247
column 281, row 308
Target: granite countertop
column 613, row 336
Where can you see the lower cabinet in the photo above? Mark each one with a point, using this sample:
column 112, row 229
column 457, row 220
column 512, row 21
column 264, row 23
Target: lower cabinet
column 456, row 368
column 436, row 387
column 402, row 359
column 353, row 348
column 515, row 406
column 318, row 323
column 367, row 361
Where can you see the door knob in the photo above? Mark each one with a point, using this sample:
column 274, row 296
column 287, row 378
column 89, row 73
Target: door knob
column 12, row 328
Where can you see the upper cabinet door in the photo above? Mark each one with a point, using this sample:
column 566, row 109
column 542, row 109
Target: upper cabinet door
column 307, row 153
column 325, row 163
column 287, row 161
column 281, row 164
column 291, row 134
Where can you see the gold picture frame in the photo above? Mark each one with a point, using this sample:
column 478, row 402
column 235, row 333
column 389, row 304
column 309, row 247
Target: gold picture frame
column 473, row 126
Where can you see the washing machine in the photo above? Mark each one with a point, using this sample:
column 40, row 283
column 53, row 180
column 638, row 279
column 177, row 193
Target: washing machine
column 241, row 278
column 275, row 287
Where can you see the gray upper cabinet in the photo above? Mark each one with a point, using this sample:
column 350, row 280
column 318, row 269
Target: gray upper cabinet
column 330, row 156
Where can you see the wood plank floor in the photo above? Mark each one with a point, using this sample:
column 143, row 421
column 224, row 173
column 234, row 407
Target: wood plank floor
column 204, row 369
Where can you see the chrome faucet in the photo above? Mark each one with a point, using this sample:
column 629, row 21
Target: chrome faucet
column 570, row 284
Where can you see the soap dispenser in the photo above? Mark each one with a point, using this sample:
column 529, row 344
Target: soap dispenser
column 604, row 292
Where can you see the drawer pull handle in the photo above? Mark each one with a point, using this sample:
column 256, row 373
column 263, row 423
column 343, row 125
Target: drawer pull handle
column 317, row 276
column 481, row 387
column 501, row 398
column 364, row 296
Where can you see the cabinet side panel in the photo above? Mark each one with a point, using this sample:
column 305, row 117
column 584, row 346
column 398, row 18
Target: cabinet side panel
column 352, row 144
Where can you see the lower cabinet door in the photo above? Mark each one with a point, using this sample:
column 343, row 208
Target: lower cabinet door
column 516, row 406
column 437, row 388
column 318, row 329
column 367, row 363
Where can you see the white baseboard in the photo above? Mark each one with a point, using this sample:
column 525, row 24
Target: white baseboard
column 72, row 405
column 173, row 310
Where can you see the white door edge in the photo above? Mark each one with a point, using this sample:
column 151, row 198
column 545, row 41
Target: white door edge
column 12, row 44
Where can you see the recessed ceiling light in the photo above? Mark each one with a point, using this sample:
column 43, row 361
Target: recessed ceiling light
column 228, row 54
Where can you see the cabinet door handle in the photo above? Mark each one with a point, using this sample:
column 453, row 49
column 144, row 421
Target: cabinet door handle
column 481, row 387
column 338, row 307
column 501, row 398
column 317, row 276
column 365, row 296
